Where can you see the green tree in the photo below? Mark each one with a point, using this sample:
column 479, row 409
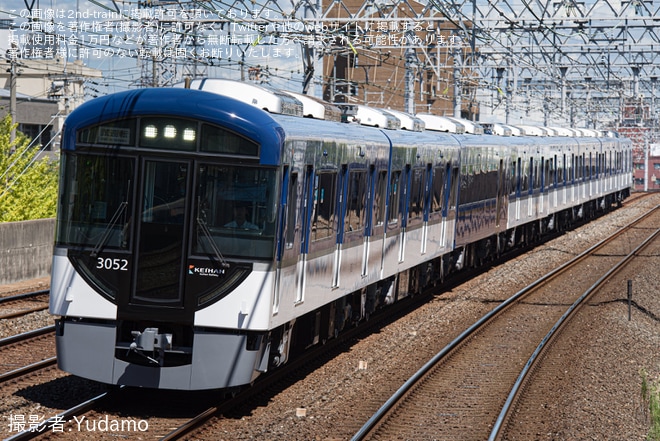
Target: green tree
column 28, row 186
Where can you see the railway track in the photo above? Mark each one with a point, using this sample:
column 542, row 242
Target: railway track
column 23, row 304
column 27, row 352
column 206, row 417
column 467, row 390
column 196, row 427
column 112, row 405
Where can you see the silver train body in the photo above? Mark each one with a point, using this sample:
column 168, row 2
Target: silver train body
column 153, row 285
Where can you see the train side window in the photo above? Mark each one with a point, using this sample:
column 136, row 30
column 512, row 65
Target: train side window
column 323, row 217
column 356, row 201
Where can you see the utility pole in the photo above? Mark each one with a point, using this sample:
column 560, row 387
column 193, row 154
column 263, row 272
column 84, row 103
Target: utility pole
column 12, row 98
column 458, row 61
column 409, row 93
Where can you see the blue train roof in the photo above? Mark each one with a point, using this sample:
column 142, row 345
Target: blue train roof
column 239, row 117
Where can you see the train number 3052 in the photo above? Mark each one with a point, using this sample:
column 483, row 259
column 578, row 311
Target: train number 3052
column 112, row 264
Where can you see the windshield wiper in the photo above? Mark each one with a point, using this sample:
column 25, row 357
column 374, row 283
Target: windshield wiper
column 214, row 247
column 108, row 228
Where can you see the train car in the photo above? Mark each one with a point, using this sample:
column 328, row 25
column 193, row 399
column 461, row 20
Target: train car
column 201, row 241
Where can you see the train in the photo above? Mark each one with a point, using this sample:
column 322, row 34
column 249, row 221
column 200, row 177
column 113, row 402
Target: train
column 207, row 232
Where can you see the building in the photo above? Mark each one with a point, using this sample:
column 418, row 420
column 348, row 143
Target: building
column 399, row 60
column 46, row 91
column 34, row 116
column 646, row 157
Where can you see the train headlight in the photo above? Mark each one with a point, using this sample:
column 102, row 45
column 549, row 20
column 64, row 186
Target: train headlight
column 170, row 132
column 189, row 134
column 150, row 131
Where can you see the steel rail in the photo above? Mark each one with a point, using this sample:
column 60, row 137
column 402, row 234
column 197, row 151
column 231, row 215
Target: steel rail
column 26, row 295
column 28, row 369
column 26, row 335
column 407, row 386
column 515, row 390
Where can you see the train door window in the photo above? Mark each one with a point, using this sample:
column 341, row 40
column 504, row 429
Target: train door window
column 582, row 166
column 597, row 164
column 428, row 182
column 380, row 196
column 618, row 162
column 515, row 173
column 608, row 163
column 438, row 189
column 356, row 199
column 323, row 216
column 466, row 179
column 394, row 198
column 453, row 192
column 292, row 211
column 161, row 233
column 594, row 165
column 552, row 173
column 417, row 197
column 534, row 173
column 524, row 176
column 164, row 192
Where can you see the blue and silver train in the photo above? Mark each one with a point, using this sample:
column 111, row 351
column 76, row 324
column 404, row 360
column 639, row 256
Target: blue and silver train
column 202, row 240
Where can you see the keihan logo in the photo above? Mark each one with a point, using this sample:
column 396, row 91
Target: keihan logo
column 214, row 272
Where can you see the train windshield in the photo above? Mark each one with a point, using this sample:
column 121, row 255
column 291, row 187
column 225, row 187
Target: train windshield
column 232, row 207
column 95, row 201
column 236, row 209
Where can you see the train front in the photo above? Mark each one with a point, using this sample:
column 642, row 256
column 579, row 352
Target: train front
column 165, row 240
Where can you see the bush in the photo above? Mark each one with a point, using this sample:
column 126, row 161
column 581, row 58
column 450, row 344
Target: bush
column 28, row 184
